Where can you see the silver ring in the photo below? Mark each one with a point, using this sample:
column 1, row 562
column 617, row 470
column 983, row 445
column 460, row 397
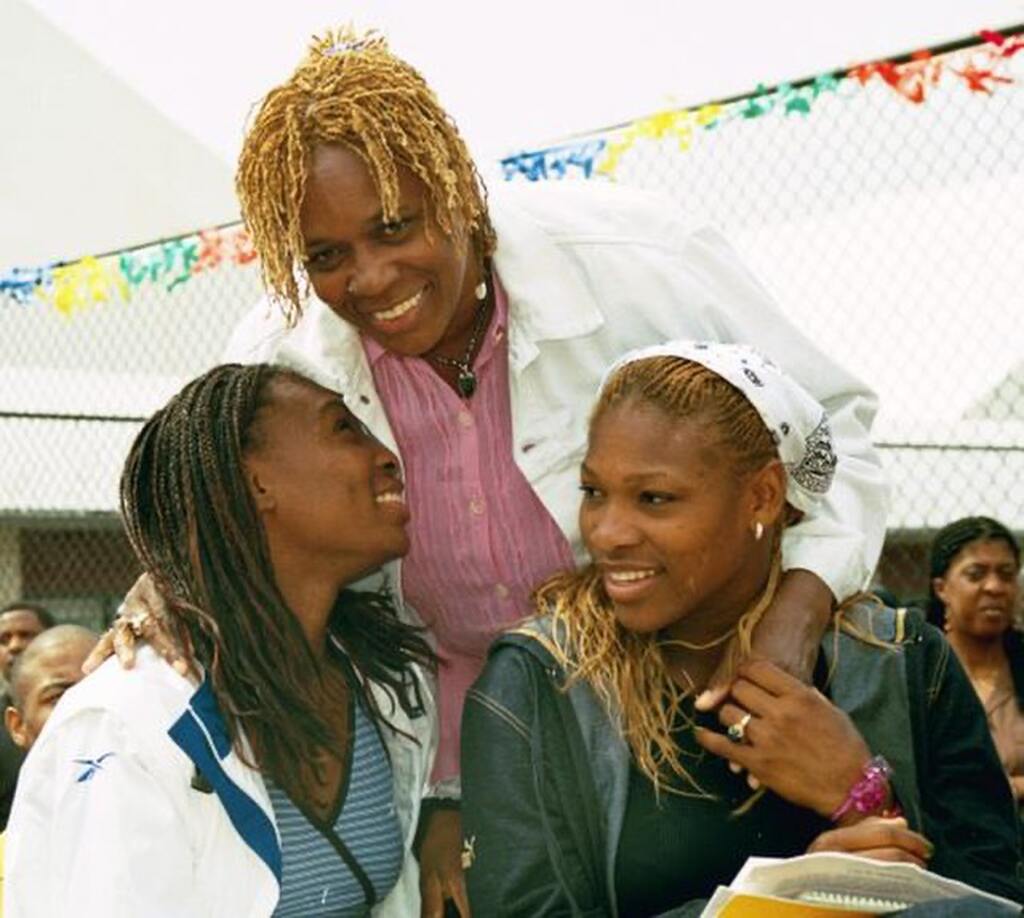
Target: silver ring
column 738, row 731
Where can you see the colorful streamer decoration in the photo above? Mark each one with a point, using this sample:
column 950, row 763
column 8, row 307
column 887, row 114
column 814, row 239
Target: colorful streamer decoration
column 72, row 287
column 914, row 80
column 553, row 162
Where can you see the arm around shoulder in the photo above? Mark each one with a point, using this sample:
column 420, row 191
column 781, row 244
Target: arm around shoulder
column 842, row 540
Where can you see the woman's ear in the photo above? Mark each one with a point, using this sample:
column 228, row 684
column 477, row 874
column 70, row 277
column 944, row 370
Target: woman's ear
column 767, row 491
column 939, row 587
column 259, row 487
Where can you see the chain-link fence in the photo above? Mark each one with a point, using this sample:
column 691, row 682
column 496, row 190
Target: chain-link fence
column 883, row 208
column 83, row 361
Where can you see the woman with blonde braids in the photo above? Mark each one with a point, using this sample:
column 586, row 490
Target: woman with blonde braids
column 591, row 786
column 470, row 333
column 284, row 778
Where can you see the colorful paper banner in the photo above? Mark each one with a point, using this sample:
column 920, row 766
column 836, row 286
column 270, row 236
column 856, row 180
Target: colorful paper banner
column 977, row 68
column 102, row 279
column 553, row 162
column 72, row 287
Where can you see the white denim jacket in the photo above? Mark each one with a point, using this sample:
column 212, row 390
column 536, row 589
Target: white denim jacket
column 109, row 820
column 591, row 271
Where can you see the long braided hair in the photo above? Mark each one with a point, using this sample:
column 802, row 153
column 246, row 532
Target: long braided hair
column 194, row 527
column 953, row 538
column 351, row 90
column 628, row 670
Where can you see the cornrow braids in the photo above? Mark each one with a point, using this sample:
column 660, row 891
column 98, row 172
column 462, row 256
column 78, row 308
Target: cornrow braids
column 688, row 390
column 193, row 526
column 351, row 90
column 954, row 538
column 629, row 671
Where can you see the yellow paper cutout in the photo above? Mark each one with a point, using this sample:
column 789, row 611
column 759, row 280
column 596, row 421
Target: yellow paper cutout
column 84, row 283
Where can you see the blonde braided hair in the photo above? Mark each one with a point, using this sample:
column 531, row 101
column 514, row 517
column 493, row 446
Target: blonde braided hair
column 351, row 90
column 629, row 670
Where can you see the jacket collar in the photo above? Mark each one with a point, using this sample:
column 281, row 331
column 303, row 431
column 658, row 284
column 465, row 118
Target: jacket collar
column 549, row 299
column 869, row 683
column 200, row 732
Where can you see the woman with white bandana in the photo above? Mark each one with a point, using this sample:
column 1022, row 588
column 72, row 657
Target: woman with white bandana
column 591, row 786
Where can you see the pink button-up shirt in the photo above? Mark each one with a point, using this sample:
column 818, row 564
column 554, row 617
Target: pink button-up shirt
column 481, row 539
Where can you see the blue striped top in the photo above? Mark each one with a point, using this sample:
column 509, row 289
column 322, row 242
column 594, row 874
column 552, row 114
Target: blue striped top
column 340, row 871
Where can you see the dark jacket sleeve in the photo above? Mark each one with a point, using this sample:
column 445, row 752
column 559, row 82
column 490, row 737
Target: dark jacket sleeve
column 527, row 806
column 969, row 812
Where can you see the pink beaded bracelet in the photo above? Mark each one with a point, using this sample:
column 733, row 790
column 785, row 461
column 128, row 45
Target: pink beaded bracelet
column 871, row 793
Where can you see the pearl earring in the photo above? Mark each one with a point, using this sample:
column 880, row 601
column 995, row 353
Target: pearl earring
column 481, row 290
column 758, row 530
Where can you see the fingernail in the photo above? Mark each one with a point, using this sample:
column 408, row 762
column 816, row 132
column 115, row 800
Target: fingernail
column 734, row 768
column 753, row 782
column 704, row 700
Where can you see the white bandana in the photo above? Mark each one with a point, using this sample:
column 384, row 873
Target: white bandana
column 797, row 422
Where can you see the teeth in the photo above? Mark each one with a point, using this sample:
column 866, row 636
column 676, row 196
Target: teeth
column 629, row 576
column 391, row 497
column 400, row 310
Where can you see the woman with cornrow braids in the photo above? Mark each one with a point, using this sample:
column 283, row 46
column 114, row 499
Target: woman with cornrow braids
column 593, row 786
column 283, row 775
column 470, row 333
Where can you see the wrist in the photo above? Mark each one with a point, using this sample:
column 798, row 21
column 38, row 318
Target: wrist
column 434, row 809
column 869, row 795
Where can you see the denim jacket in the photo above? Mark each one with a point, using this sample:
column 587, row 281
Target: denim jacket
column 546, row 772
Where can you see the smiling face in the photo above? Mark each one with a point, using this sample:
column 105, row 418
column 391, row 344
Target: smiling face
column 979, row 589
column 669, row 523
column 329, row 494
column 410, row 293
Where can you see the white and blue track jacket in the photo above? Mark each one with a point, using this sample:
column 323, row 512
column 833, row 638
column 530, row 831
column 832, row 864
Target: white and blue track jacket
column 111, row 819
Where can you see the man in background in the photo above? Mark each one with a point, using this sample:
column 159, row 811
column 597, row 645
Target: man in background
column 40, row 674
column 20, row 623
column 49, row 666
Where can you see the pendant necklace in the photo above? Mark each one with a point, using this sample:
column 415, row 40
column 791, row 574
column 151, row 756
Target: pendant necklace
column 466, row 382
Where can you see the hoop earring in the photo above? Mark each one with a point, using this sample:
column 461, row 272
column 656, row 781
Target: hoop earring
column 758, row 530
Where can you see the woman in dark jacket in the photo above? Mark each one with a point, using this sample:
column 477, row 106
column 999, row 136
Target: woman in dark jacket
column 975, row 568
column 592, row 784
